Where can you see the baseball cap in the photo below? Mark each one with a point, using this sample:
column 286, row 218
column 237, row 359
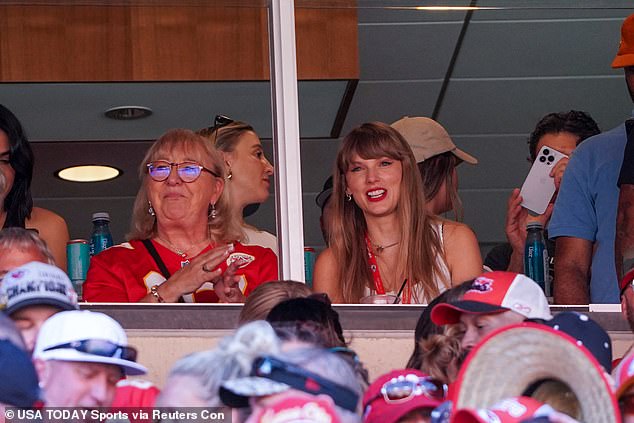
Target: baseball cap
column 625, row 55
column 298, row 408
column 626, row 281
column 19, row 386
column 413, row 388
column 495, row 292
column 427, row 138
column 623, row 375
column 67, row 336
column 325, row 193
column 37, row 283
column 587, row 333
column 510, row 410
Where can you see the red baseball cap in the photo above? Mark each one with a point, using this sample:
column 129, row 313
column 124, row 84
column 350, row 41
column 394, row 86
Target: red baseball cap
column 624, row 375
column 626, row 281
column 495, row 292
column 380, row 408
column 511, row 410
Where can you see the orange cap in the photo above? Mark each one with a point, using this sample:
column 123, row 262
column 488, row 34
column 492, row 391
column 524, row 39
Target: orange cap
column 625, row 55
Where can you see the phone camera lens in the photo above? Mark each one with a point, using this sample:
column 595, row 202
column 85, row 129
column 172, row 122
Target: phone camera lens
column 546, row 151
column 551, row 158
column 542, row 159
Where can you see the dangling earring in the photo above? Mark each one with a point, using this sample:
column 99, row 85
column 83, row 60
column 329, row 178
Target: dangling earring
column 348, row 197
column 213, row 213
column 150, row 209
column 229, row 175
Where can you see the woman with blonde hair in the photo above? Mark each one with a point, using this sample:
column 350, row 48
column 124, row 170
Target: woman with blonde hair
column 268, row 295
column 383, row 240
column 184, row 240
column 247, row 174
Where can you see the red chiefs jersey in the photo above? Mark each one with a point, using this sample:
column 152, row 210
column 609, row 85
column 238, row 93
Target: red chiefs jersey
column 126, row 272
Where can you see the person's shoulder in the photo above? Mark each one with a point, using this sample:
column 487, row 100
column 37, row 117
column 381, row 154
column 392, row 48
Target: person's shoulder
column 451, row 228
column 600, row 141
column 44, row 217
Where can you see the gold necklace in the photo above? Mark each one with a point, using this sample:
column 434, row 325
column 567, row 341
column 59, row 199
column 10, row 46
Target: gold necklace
column 182, row 253
column 378, row 249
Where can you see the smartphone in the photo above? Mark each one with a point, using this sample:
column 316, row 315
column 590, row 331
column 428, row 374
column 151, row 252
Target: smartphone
column 539, row 186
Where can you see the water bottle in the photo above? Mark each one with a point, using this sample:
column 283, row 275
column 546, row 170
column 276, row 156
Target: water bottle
column 101, row 237
column 536, row 256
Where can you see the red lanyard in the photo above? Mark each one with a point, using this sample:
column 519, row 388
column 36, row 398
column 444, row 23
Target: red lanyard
column 376, row 275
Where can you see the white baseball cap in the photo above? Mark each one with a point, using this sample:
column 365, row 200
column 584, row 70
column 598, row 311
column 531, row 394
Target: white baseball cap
column 88, row 337
column 37, row 283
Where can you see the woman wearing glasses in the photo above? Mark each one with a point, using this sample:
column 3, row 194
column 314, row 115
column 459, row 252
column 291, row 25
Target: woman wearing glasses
column 246, row 175
column 183, row 245
column 384, row 241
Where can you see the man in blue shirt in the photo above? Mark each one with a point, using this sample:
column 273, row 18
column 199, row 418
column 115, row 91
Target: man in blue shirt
column 584, row 218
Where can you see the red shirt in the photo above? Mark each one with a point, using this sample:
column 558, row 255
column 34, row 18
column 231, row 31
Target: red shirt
column 126, row 272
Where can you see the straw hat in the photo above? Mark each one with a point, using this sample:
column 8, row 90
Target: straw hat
column 511, row 361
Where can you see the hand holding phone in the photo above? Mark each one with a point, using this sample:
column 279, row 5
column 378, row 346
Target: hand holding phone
column 539, row 186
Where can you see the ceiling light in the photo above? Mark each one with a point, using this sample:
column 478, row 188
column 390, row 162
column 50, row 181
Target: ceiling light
column 88, row 173
column 128, row 112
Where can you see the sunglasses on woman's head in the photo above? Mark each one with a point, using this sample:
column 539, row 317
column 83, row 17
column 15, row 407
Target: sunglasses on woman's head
column 220, row 121
column 159, row 170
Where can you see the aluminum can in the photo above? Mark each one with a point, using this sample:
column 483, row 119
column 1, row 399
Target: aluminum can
column 77, row 260
column 309, row 265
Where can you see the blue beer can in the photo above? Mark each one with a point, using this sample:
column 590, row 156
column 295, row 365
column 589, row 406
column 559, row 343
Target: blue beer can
column 309, row 265
column 77, row 262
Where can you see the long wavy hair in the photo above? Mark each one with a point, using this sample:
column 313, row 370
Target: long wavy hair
column 420, row 243
column 18, row 203
column 224, row 228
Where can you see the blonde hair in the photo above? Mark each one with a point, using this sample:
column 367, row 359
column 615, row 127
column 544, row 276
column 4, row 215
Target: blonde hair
column 268, row 295
column 224, row 227
column 440, row 354
column 420, row 244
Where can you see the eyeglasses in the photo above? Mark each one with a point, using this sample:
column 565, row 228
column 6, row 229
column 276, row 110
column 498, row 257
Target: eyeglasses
column 160, row 170
column 99, row 347
column 405, row 387
column 303, row 380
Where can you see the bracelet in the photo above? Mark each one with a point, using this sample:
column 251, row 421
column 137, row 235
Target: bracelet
column 155, row 293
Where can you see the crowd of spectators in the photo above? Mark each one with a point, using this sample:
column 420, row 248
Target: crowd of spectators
column 487, row 347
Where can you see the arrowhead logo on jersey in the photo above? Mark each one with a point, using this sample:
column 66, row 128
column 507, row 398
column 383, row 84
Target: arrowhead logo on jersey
column 241, row 259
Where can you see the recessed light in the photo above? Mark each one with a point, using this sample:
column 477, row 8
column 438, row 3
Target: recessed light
column 128, row 112
column 88, row 173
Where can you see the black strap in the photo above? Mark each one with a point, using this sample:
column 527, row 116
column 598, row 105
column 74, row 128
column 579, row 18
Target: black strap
column 159, row 262
column 157, row 259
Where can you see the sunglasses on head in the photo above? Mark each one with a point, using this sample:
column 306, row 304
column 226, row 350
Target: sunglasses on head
column 406, row 387
column 99, row 347
column 303, row 380
column 220, row 121
column 160, row 170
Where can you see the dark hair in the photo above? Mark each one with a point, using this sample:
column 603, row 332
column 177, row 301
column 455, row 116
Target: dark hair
column 426, row 328
column 436, row 170
column 575, row 122
column 18, row 203
column 311, row 309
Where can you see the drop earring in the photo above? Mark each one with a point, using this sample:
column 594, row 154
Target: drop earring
column 348, row 197
column 150, row 209
column 213, row 213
